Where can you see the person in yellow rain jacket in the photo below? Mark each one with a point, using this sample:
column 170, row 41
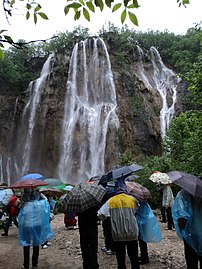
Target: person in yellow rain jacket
column 121, row 209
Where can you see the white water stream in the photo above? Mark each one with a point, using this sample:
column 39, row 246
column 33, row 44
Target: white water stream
column 90, row 110
column 28, row 120
column 165, row 81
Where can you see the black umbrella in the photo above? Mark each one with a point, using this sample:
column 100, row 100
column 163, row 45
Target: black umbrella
column 82, row 197
column 124, row 171
column 188, row 182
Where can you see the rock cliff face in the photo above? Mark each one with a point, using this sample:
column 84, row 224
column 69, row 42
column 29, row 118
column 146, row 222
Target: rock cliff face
column 138, row 109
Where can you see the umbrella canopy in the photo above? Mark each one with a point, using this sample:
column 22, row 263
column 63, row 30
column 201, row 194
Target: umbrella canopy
column 138, row 191
column 68, row 188
column 132, row 177
column 83, row 197
column 33, row 176
column 90, row 181
column 123, row 171
column 160, row 178
column 53, row 181
column 188, row 182
column 51, row 192
column 27, row 183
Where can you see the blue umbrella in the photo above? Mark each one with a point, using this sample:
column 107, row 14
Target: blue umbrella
column 33, row 176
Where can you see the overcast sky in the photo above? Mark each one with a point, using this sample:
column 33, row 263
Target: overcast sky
column 153, row 14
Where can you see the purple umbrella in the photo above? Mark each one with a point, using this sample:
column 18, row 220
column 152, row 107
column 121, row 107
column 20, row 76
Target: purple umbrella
column 188, row 182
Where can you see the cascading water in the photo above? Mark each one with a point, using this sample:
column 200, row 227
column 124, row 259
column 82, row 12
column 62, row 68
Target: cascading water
column 8, row 171
column 28, row 120
column 1, row 169
column 90, row 110
column 165, row 81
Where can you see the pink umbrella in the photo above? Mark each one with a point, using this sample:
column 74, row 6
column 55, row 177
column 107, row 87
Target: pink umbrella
column 138, row 191
column 28, row 183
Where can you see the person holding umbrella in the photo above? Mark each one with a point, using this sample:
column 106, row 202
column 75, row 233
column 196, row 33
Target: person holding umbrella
column 187, row 216
column 163, row 180
column 34, row 226
column 167, row 203
column 85, row 199
column 33, row 220
column 12, row 210
column 88, row 230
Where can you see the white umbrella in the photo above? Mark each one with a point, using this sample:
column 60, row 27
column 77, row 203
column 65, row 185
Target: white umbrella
column 160, row 178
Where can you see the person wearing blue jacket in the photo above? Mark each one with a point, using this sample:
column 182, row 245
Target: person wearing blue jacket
column 187, row 216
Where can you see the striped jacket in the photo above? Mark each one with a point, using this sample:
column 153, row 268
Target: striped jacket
column 121, row 209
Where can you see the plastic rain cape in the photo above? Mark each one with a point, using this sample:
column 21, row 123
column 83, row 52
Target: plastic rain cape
column 189, row 207
column 33, row 223
column 149, row 229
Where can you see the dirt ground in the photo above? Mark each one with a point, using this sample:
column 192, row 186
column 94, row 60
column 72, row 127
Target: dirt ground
column 65, row 253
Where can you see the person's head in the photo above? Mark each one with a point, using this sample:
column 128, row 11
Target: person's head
column 27, row 190
column 120, row 190
column 120, row 183
column 103, row 181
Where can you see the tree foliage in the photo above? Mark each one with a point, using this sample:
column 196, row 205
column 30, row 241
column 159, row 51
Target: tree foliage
column 184, row 140
column 179, row 52
column 15, row 71
column 79, row 7
column 185, row 132
column 194, row 79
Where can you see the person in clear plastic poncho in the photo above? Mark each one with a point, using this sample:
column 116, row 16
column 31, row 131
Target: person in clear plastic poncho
column 187, row 216
column 33, row 225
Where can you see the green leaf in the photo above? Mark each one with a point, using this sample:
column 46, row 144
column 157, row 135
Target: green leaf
column 77, row 15
column 82, row 2
column 86, row 14
column 43, row 15
column 37, row 8
column 1, row 31
column 125, row 2
column 131, row 6
column 90, row 6
column 66, row 10
column 108, row 3
column 135, row 3
column 117, row 6
column 185, row 2
column 8, row 38
column 35, row 18
column 1, row 45
column 123, row 16
column 1, row 54
column 27, row 15
column 12, row 3
column 99, row 3
column 74, row 5
column 28, row 6
column 133, row 18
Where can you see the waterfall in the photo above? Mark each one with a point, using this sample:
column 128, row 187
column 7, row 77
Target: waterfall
column 29, row 119
column 8, row 171
column 165, row 81
column 1, row 169
column 89, row 112
column 15, row 109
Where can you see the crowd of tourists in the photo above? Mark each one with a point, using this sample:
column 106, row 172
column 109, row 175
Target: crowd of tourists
column 128, row 225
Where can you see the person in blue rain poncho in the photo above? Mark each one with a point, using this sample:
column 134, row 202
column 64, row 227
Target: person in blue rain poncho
column 187, row 216
column 149, row 229
column 33, row 225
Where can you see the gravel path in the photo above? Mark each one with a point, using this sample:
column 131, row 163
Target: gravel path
column 65, row 253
